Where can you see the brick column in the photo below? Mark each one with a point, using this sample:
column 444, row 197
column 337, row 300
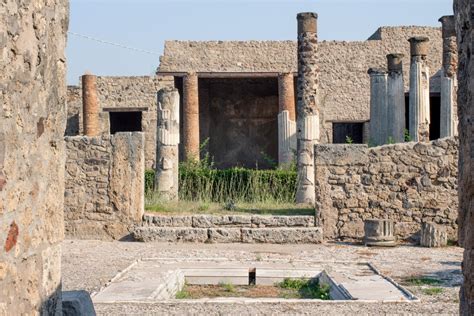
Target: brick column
column 90, row 104
column 167, row 158
column 308, row 109
column 378, row 107
column 286, row 119
column 419, row 116
column 286, row 94
column 190, row 117
column 464, row 12
column 448, row 117
column 395, row 99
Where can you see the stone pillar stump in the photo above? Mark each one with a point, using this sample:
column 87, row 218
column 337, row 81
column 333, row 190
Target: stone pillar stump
column 379, row 233
column 433, row 235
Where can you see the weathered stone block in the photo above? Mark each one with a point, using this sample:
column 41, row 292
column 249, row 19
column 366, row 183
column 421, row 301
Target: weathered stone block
column 224, row 235
column 77, row 303
column 433, row 235
column 166, row 234
column 206, row 221
column 312, row 235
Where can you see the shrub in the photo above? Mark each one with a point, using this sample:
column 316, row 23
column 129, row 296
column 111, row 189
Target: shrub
column 149, row 180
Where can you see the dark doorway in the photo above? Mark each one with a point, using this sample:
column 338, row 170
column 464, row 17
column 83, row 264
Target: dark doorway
column 435, row 108
column 125, row 122
column 435, row 122
column 343, row 133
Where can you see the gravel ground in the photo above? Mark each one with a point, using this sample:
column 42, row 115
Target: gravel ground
column 90, row 264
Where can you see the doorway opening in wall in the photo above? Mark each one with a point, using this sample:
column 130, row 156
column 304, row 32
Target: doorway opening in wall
column 127, row 121
column 435, row 121
column 347, row 132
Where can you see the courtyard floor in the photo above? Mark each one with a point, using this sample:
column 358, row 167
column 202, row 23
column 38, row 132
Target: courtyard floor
column 90, row 265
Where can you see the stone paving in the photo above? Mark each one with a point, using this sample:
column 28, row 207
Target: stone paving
column 92, row 264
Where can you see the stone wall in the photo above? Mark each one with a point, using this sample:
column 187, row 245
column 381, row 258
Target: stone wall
column 464, row 10
column 409, row 183
column 104, row 194
column 32, row 122
column 344, row 89
column 120, row 93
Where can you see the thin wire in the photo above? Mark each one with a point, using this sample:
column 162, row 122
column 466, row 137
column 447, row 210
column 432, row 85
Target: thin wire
column 114, row 44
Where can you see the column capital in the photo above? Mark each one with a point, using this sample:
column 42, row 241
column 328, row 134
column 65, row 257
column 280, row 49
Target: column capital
column 307, row 22
column 448, row 24
column 395, row 62
column 376, row 72
column 419, row 46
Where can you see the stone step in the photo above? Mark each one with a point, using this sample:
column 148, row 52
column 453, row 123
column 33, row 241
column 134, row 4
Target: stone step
column 272, row 235
column 210, row 221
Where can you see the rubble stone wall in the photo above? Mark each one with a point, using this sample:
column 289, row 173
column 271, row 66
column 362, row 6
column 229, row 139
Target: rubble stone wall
column 119, row 93
column 409, row 183
column 32, row 123
column 104, row 194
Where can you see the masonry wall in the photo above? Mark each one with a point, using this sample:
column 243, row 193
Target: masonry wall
column 120, row 93
column 344, row 89
column 104, row 193
column 32, row 122
column 464, row 10
column 409, row 183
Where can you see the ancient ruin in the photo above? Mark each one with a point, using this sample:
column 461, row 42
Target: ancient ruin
column 363, row 136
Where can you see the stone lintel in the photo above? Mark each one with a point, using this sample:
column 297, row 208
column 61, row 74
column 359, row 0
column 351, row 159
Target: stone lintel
column 307, row 22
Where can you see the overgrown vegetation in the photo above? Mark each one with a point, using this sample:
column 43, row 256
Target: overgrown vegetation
column 432, row 291
column 303, row 288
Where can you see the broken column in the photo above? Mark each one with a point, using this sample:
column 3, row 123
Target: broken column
column 448, row 121
column 378, row 107
column 395, row 99
column 167, row 159
column 286, row 119
column 379, row 233
column 90, row 103
column 308, row 110
column 419, row 108
column 190, row 117
column 433, row 235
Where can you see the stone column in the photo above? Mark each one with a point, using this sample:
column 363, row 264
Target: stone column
column 286, row 119
column 395, row 99
column 464, row 12
column 378, row 107
column 190, row 117
column 419, row 109
column 167, row 158
column 448, row 118
column 91, row 108
column 308, row 110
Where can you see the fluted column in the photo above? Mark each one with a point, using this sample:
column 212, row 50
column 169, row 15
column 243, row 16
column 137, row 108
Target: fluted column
column 307, row 108
column 448, row 117
column 419, row 116
column 395, row 99
column 191, row 117
column 378, row 107
column 167, row 158
column 286, row 119
column 90, row 106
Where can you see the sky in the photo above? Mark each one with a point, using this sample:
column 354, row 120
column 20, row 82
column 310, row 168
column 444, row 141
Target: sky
column 144, row 25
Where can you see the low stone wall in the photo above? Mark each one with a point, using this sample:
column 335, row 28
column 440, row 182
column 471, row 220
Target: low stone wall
column 409, row 183
column 229, row 229
column 104, row 194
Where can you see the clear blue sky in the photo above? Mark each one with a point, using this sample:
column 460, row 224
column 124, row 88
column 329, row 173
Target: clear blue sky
column 146, row 24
